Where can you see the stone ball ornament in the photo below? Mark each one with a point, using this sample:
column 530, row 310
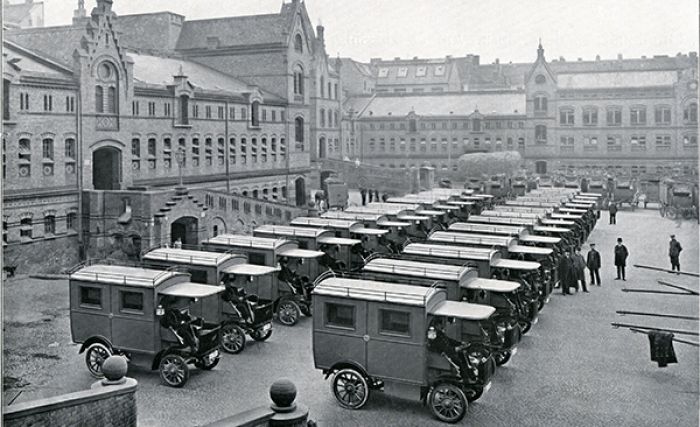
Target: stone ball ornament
column 283, row 392
column 114, row 369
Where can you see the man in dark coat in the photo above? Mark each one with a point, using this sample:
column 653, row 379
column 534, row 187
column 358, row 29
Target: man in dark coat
column 567, row 278
column 593, row 264
column 621, row 254
column 363, row 193
column 613, row 212
column 674, row 251
column 580, row 269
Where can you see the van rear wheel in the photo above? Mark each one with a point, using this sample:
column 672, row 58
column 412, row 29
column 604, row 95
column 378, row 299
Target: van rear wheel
column 232, row 338
column 350, row 388
column 447, row 402
column 95, row 356
column 288, row 313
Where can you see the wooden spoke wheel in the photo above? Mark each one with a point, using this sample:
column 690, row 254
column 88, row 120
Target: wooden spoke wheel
column 174, row 370
column 350, row 389
column 288, row 313
column 95, row 356
column 232, row 338
column 447, row 402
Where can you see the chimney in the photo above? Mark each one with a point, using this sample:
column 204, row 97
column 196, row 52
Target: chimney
column 561, row 59
column 79, row 14
column 597, row 57
column 319, row 33
column 498, row 61
column 619, row 57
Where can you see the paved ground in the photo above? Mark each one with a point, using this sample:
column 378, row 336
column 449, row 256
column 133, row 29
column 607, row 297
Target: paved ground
column 573, row 369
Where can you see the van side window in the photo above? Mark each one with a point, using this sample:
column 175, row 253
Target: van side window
column 198, row 276
column 340, row 315
column 131, row 301
column 91, row 297
column 303, row 245
column 257, row 259
column 395, row 322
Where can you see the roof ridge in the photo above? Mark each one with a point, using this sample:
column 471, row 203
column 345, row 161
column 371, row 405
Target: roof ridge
column 224, row 18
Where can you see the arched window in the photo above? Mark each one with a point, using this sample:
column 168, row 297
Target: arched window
column 322, row 94
column 322, row 118
column 184, row 109
column 255, row 114
column 335, row 118
column 298, row 43
column 299, row 132
column 540, row 79
column 106, row 82
column 298, row 80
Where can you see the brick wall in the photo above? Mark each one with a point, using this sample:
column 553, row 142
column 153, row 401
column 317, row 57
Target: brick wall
column 113, row 405
column 43, row 256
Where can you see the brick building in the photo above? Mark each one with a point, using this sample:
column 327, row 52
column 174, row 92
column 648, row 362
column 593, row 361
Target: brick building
column 110, row 107
column 22, row 13
column 630, row 116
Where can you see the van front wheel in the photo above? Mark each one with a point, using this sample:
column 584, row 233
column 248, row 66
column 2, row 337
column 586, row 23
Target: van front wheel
column 447, row 402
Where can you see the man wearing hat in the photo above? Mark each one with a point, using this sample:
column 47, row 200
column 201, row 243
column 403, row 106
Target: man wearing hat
column 593, row 264
column 621, row 254
column 674, row 251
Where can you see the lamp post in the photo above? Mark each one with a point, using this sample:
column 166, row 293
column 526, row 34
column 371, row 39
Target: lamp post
column 180, row 159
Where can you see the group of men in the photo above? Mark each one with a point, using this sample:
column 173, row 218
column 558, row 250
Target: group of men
column 371, row 195
column 572, row 269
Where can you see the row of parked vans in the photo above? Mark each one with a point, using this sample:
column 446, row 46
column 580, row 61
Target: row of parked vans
column 421, row 296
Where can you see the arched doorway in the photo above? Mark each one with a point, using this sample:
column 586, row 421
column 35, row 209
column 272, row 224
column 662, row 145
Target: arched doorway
column 300, row 191
column 322, row 148
column 541, row 167
column 185, row 229
column 106, row 168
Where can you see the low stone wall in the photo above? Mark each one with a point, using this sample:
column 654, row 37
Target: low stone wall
column 42, row 256
column 102, row 405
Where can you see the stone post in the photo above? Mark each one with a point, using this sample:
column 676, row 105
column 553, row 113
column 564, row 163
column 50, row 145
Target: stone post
column 287, row 413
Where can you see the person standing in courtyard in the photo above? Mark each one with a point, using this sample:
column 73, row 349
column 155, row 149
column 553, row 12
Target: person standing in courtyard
column 566, row 273
column 613, row 213
column 580, row 269
column 621, row 254
column 674, row 252
column 593, row 264
column 363, row 194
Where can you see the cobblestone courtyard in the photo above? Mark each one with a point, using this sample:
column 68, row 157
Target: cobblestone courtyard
column 573, row 369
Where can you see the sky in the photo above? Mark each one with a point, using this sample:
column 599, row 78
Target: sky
column 504, row 29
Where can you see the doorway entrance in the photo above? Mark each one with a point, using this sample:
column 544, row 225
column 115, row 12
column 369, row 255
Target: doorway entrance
column 541, row 167
column 106, row 168
column 185, row 230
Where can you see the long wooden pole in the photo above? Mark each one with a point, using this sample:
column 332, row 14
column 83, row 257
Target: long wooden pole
column 653, row 291
column 694, row 344
column 675, row 331
column 682, row 288
column 649, row 267
column 670, row 316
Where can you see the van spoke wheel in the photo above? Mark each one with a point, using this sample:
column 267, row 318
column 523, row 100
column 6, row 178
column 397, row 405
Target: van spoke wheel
column 260, row 335
column 350, row 389
column 232, row 338
column 447, row 402
column 288, row 313
column 94, row 358
column 173, row 370
column 502, row 357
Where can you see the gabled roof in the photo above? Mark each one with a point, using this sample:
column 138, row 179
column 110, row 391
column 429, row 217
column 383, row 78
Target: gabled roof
column 26, row 61
column 413, row 72
column 56, row 43
column 234, row 31
column 17, row 12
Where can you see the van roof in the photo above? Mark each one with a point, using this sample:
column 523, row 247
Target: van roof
column 324, row 222
column 509, row 214
column 123, row 275
column 340, row 241
column 460, row 238
column 524, row 249
column 512, row 230
column 492, row 285
column 385, row 210
column 370, row 290
column 245, row 241
column 191, row 257
column 191, row 290
column 549, row 229
column 515, row 264
column 250, row 269
column 416, row 268
column 502, row 220
column 462, row 310
column 288, row 231
column 449, row 251
column 368, row 231
column 357, row 216
column 534, row 238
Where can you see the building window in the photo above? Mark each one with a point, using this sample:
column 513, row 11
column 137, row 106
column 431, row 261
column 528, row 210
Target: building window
column 540, row 79
column 322, row 87
column 184, row 110
column 255, row 114
column 135, row 108
column 220, row 113
column 111, row 100
column 690, row 113
column 690, row 140
column 298, row 43
column 151, row 109
column 330, row 119
column 412, row 125
column 663, row 142
column 48, row 103
column 614, row 116
column 298, row 80
column 541, row 134
column 638, row 143
column 590, row 116
column 70, row 104
column 521, row 143
column 335, row 119
column 49, row 224
column 24, row 101
column 566, row 117
column 166, row 109
column 476, row 125
column 207, row 111
column 99, row 99
column 47, row 149
column 135, row 148
column 71, row 220
column 662, row 115
column 540, row 104
column 638, row 116
column 614, row 143
column 151, row 147
column 322, row 118
column 299, row 132
column 244, row 113
column 25, row 227
column 6, row 99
